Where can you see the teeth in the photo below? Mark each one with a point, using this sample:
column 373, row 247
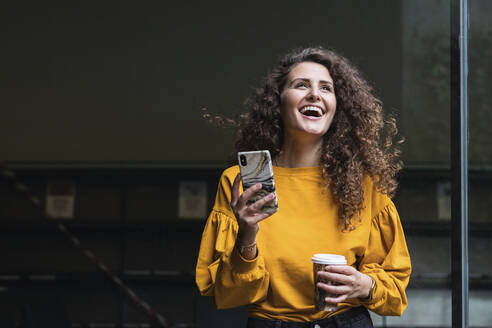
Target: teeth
column 311, row 108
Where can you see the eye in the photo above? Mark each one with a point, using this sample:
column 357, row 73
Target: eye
column 301, row 84
column 327, row 87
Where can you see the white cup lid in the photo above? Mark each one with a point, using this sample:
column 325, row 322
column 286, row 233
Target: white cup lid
column 329, row 259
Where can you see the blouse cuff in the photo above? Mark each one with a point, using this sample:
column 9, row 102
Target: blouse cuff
column 373, row 294
column 242, row 265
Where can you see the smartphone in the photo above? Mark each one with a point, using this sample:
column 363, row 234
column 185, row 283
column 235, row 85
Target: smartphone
column 256, row 167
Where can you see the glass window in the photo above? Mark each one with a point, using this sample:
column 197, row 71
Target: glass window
column 480, row 161
column 424, row 195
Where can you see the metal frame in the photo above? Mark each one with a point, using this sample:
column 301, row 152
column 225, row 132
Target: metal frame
column 459, row 162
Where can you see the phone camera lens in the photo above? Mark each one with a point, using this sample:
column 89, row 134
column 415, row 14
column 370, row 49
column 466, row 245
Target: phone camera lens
column 243, row 160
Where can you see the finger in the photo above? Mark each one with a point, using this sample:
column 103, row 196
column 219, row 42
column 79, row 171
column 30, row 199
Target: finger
column 235, row 190
column 259, row 204
column 335, row 277
column 341, row 269
column 262, row 216
column 335, row 289
column 334, row 299
column 248, row 194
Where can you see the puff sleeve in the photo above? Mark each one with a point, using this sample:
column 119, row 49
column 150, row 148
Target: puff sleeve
column 221, row 271
column 387, row 261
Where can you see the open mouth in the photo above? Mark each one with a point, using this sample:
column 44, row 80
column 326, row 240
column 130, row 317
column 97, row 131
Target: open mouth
column 311, row 111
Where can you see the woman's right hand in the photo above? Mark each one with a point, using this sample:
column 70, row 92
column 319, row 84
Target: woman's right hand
column 248, row 216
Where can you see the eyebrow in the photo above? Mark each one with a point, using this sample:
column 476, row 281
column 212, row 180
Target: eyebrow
column 307, row 80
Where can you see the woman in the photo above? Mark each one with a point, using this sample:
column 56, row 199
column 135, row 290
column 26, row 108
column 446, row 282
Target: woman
column 334, row 174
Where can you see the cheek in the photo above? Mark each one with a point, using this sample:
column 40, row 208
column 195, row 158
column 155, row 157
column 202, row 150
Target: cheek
column 334, row 108
column 331, row 102
column 281, row 110
column 286, row 105
column 290, row 98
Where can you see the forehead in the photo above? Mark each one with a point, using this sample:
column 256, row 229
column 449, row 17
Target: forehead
column 309, row 70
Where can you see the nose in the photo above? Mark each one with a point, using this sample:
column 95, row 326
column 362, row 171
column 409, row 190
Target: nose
column 314, row 94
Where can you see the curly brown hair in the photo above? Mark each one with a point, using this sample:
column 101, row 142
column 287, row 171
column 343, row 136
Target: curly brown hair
column 353, row 147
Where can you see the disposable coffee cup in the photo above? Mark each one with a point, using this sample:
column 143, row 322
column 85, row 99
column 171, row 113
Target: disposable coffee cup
column 320, row 261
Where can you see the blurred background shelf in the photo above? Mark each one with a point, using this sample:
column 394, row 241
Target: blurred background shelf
column 430, row 280
column 81, row 225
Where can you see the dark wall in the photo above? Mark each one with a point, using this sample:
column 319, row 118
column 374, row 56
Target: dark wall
column 124, row 80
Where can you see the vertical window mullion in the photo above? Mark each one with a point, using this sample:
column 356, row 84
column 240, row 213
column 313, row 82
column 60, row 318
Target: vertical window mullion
column 459, row 162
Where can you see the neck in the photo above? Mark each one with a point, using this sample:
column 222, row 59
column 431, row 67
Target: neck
column 299, row 153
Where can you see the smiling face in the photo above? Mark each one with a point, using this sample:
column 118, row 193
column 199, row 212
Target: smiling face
column 307, row 102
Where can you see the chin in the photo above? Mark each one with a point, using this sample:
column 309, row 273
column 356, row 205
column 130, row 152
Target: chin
column 316, row 131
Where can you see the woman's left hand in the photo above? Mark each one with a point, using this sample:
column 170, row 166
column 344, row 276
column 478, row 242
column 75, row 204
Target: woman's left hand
column 350, row 283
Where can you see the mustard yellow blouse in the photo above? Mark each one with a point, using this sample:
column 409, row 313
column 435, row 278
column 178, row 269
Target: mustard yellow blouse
column 279, row 282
